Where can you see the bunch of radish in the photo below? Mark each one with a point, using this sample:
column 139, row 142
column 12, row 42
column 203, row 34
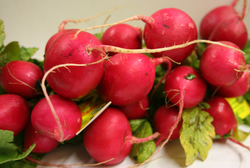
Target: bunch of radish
column 153, row 75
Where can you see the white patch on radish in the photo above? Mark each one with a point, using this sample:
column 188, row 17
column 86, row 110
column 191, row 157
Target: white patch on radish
column 191, row 25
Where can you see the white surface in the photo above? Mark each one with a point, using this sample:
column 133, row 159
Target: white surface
column 33, row 22
column 224, row 154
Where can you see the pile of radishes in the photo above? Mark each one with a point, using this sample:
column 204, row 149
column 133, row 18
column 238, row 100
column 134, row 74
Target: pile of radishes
column 151, row 75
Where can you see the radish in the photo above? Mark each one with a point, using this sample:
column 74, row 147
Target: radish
column 164, row 119
column 224, row 119
column 55, row 36
column 14, row 113
column 214, row 17
column 232, row 29
column 20, row 77
column 239, row 88
column 185, row 84
column 163, row 29
column 64, row 125
column 135, row 110
column 221, row 66
column 110, row 137
column 74, row 81
column 124, row 36
column 43, row 143
column 128, row 78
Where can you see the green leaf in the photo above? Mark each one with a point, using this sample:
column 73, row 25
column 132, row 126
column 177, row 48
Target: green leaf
column 9, row 151
column 27, row 53
column 240, row 135
column 142, row 151
column 190, row 76
column 37, row 62
column 246, row 49
column 10, row 53
column 135, row 124
column 197, row 134
column 2, row 33
column 247, row 120
column 98, row 35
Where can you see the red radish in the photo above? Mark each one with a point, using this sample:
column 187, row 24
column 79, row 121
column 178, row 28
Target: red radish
column 169, row 27
column 14, row 113
column 20, row 77
column 186, row 81
column 43, row 143
column 164, row 119
column 222, row 66
column 124, row 36
column 62, row 127
column 110, row 137
column 74, row 81
column 239, row 88
column 135, row 110
column 224, row 119
column 214, row 17
column 55, row 36
column 128, row 78
column 232, row 29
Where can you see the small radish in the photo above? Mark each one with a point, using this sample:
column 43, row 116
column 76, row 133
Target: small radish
column 239, row 88
column 14, row 113
column 135, row 110
column 164, row 119
column 124, row 36
column 214, row 17
column 74, row 81
column 232, row 29
column 43, row 143
column 128, row 78
column 222, row 66
column 185, row 84
column 62, row 127
column 224, row 119
column 20, row 77
column 110, row 137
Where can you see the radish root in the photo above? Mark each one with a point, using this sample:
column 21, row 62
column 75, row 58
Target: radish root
column 62, row 25
column 107, row 48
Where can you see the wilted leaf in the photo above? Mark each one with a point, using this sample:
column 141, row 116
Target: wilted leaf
column 197, row 134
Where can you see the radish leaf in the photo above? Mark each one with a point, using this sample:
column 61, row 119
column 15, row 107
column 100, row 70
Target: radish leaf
column 197, row 134
column 10, row 53
column 142, row 151
column 2, row 33
column 27, row 53
column 8, row 150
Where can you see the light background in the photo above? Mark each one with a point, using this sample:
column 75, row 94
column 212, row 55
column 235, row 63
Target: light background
column 33, row 22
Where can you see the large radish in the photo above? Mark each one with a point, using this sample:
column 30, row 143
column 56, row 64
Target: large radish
column 222, row 66
column 74, row 81
column 128, row 78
